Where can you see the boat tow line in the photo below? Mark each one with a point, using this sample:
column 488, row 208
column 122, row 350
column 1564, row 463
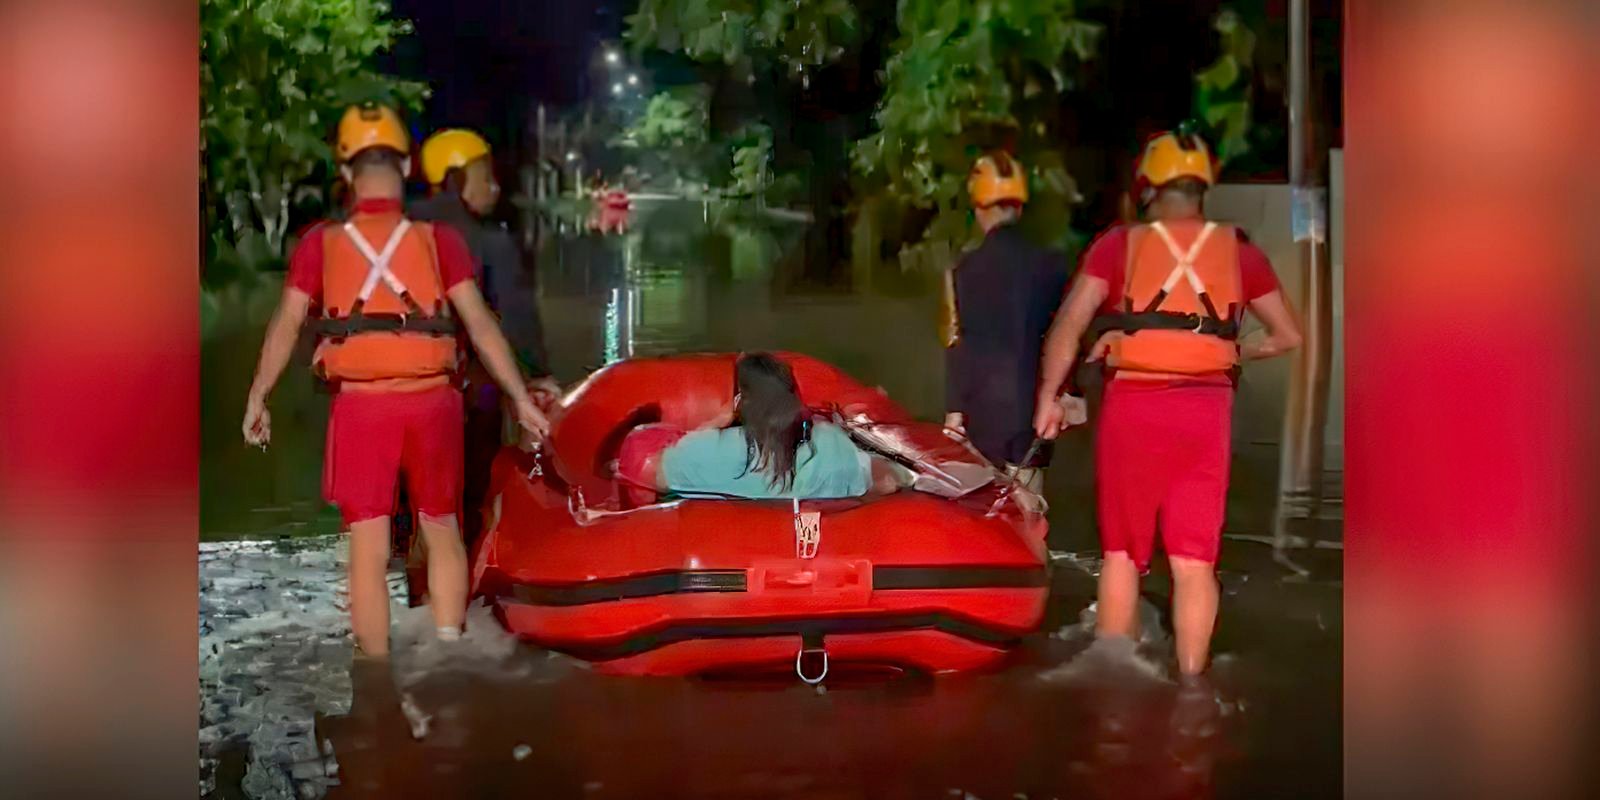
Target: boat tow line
column 1014, row 482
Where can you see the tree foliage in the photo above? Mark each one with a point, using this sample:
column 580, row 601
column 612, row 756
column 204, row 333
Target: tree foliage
column 797, row 34
column 274, row 76
column 1222, row 92
column 673, row 118
column 671, row 135
column 752, row 156
column 967, row 75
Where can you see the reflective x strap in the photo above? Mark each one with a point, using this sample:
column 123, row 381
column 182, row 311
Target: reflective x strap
column 1185, row 267
column 379, row 262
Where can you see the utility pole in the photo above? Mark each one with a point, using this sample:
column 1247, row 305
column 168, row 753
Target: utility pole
column 1305, row 419
column 540, row 159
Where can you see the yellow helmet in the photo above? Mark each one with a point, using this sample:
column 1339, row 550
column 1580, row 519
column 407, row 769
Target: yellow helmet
column 371, row 125
column 1171, row 156
column 450, row 149
column 995, row 178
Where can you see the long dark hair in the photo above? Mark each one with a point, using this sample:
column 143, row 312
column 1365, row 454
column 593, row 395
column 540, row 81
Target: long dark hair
column 775, row 422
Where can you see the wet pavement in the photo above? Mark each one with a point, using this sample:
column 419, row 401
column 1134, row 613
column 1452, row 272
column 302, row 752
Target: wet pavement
column 284, row 715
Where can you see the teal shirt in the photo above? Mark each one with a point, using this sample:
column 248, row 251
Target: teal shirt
column 713, row 460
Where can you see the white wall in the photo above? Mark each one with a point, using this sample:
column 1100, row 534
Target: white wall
column 1262, row 210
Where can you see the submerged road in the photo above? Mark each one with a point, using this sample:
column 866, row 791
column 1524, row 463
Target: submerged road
column 284, row 714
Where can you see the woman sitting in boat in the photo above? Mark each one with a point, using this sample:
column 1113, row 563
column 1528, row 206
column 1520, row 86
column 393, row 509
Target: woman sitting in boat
column 775, row 451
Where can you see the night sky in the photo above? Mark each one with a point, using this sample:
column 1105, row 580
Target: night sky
column 489, row 61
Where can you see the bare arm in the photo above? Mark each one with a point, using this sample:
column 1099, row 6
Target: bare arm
column 484, row 331
column 1061, row 343
column 276, row 350
column 1282, row 332
column 278, row 346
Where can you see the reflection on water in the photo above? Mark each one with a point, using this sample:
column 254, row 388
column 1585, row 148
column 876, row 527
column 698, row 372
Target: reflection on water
column 1062, row 719
column 685, row 280
column 284, row 714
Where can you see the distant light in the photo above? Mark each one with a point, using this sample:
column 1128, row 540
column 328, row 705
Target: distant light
column 572, row 156
column 616, row 88
column 612, row 57
column 633, row 80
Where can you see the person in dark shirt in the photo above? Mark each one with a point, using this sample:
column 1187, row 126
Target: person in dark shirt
column 1004, row 295
column 459, row 169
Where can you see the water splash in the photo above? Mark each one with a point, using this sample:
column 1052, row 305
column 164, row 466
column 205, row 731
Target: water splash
column 274, row 651
column 1114, row 659
column 484, row 650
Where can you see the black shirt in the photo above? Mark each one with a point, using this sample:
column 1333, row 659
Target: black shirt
column 1007, row 292
column 507, row 288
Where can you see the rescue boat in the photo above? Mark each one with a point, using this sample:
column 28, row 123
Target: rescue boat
column 943, row 576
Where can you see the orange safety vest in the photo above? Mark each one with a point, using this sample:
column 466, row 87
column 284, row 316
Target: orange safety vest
column 385, row 315
column 1181, row 302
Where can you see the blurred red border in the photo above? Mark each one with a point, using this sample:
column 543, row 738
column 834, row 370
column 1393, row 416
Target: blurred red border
column 99, row 396
column 1469, row 128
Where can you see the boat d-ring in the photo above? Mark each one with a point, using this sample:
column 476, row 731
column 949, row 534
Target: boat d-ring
column 799, row 657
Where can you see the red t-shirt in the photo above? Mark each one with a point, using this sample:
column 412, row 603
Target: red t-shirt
column 1107, row 259
column 305, row 263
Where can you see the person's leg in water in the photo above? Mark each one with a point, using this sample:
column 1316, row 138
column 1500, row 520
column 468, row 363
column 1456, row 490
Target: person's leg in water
column 1194, row 611
column 361, row 469
column 1192, row 518
column 1129, row 487
column 432, row 456
column 1117, row 597
column 447, row 572
column 369, row 585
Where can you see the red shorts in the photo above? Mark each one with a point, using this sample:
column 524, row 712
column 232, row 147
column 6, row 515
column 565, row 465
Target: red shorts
column 639, row 457
column 374, row 436
column 1162, row 451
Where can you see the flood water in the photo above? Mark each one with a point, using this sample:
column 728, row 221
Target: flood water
column 509, row 720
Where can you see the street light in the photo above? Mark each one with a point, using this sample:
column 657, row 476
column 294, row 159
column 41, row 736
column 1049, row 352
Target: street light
column 633, row 80
column 571, row 156
column 612, row 57
column 616, row 89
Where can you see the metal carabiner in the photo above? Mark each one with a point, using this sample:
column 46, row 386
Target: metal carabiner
column 538, row 465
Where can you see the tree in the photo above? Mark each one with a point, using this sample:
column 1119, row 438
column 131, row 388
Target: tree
column 967, row 75
column 797, row 34
column 1222, row 92
column 775, row 45
column 752, row 156
column 671, row 135
column 274, row 76
column 673, row 118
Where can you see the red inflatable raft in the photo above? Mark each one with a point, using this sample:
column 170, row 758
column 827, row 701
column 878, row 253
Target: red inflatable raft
column 943, row 577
